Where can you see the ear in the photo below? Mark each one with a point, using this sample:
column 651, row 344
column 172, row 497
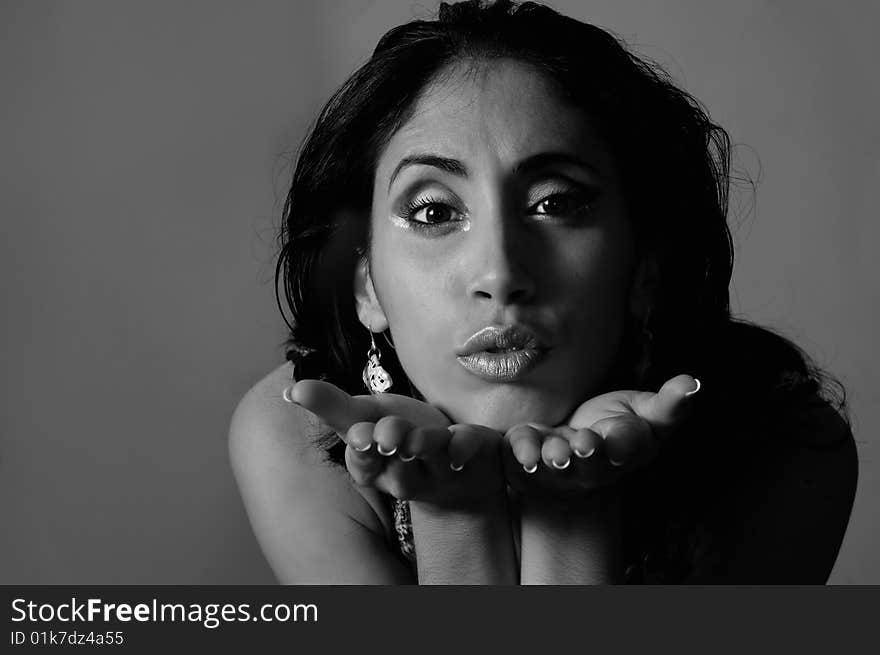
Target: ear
column 644, row 287
column 369, row 310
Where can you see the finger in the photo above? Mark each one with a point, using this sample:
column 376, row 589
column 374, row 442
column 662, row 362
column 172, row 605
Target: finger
column 390, row 433
column 332, row 405
column 525, row 444
column 426, row 442
column 363, row 466
column 397, row 478
column 360, row 436
column 363, row 470
column 415, row 411
column 542, row 428
column 466, row 441
column 667, row 409
column 627, row 439
column 584, row 442
column 556, row 452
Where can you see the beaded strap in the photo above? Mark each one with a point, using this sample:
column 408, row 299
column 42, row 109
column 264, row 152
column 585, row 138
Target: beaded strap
column 403, row 530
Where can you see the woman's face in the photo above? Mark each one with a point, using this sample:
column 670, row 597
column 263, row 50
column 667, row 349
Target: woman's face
column 497, row 212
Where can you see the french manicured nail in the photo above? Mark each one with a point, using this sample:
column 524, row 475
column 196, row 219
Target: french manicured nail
column 583, row 455
column 615, row 462
column 530, row 469
column 456, row 467
column 691, row 393
column 406, row 458
column 287, row 395
column 562, row 465
column 386, row 453
column 363, row 449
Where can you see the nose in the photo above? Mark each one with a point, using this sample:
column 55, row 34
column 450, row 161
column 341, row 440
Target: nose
column 502, row 264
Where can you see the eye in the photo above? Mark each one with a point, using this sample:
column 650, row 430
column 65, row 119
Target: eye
column 565, row 204
column 429, row 211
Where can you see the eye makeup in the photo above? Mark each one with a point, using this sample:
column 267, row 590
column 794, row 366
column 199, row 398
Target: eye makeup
column 414, row 207
column 562, row 205
column 430, row 212
column 433, row 212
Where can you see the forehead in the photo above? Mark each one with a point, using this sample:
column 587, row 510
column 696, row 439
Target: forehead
column 501, row 110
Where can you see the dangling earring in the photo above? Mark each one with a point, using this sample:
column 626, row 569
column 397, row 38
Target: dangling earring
column 376, row 378
column 413, row 392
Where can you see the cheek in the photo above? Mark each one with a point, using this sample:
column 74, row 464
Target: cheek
column 412, row 286
column 594, row 275
column 410, row 281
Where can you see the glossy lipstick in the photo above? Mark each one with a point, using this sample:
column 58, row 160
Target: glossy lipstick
column 501, row 354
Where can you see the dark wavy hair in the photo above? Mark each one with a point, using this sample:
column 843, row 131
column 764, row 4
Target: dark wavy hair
column 675, row 169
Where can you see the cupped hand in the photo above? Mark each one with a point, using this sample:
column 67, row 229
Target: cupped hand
column 604, row 438
column 405, row 447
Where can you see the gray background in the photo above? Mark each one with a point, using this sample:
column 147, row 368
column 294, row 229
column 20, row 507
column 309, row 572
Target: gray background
column 142, row 163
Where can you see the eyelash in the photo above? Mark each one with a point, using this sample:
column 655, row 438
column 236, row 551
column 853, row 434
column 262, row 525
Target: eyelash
column 414, row 206
column 585, row 198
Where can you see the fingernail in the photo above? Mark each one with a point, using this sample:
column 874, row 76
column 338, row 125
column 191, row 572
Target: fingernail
column 615, row 462
column 530, row 469
column 363, row 449
column 286, row 394
column 583, row 455
column 691, row 393
column 456, row 467
column 562, row 466
column 406, row 458
column 382, row 452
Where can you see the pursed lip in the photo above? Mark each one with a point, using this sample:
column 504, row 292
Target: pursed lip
column 493, row 337
column 501, row 354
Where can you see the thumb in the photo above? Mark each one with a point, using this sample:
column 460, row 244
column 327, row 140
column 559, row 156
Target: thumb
column 669, row 407
column 333, row 405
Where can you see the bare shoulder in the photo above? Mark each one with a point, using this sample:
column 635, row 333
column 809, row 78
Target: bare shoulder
column 263, row 419
column 790, row 509
column 311, row 521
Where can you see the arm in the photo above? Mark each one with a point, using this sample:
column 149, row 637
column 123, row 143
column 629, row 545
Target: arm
column 576, row 541
column 571, row 528
column 313, row 526
column 450, row 474
column 470, row 544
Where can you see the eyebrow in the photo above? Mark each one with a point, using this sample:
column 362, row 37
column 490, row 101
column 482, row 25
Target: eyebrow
column 528, row 165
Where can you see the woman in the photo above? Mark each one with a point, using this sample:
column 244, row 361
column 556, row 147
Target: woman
column 501, row 226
